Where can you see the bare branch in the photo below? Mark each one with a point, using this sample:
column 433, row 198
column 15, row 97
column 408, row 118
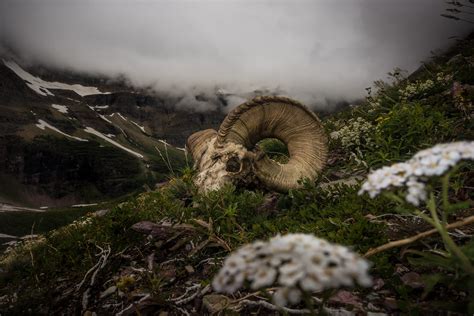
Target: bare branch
column 406, row 241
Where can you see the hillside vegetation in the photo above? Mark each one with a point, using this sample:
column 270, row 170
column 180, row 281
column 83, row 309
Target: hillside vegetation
column 158, row 252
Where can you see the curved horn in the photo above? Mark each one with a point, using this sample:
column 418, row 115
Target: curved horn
column 197, row 143
column 284, row 119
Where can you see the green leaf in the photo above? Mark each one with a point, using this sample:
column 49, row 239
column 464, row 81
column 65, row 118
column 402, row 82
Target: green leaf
column 433, row 261
column 468, row 250
column 430, row 282
column 458, row 206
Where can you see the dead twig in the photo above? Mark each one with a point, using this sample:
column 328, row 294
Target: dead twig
column 103, row 256
column 183, row 299
column 133, row 305
column 406, row 241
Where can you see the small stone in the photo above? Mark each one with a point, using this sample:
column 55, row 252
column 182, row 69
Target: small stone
column 390, row 303
column 371, row 307
column 189, row 269
column 346, row 297
column 372, row 296
column 413, row 280
column 378, row 284
column 215, row 303
column 168, row 272
column 400, row 269
column 100, row 213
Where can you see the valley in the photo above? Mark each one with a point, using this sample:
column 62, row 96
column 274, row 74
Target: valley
column 67, row 139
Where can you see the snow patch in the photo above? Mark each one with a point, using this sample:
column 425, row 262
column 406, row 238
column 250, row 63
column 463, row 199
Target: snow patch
column 121, row 116
column 11, row 208
column 101, row 107
column 98, row 107
column 100, row 115
column 60, row 108
column 105, row 119
column 6, row 236
column 99, row 134
column 41, row 86
column 84, row 205
column 42, row 125
column 139, row 126
column 164, row 142
column 74, row 99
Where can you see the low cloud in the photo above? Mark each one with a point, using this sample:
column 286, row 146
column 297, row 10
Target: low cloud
column 319, row 52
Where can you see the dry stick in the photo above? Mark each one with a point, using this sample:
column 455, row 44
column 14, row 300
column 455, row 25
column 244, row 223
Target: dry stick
column 182, row 298
column 131, row 306
column 406, row 241
column 104, row 254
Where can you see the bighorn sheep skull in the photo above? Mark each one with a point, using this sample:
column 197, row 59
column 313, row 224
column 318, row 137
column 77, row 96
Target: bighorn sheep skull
column 230, row 155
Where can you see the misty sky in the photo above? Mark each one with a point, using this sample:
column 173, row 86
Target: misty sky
column 312, row 50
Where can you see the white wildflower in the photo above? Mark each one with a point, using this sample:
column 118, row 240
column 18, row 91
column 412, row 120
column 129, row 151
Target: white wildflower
column 295, row 262
column 354, row 133
column 416, row 192
column 413, row 173
column 285, row 295
column 416, row 88
column 334, row 135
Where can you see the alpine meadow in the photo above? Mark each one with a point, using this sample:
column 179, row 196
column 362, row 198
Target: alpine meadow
column 236, row 157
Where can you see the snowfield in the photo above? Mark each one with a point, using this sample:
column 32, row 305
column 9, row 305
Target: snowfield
column 90, row 130
column 42, row 125
column 60, row 108
column 41, row 86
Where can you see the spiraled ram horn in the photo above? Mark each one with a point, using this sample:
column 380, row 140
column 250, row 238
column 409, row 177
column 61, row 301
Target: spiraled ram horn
column 197, row 143
column 290, row 122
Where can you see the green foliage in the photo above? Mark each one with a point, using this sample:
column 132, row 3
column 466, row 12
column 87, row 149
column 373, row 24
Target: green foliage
column 60, row 167
column 275, row 149
column 422, row 126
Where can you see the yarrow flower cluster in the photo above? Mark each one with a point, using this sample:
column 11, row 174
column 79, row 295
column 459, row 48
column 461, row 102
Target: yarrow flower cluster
column 296, row 263
column 416, row 88
column 354, row 133
column 414, row 173
column 443, row 78
column 373, row 103
column 81, row 222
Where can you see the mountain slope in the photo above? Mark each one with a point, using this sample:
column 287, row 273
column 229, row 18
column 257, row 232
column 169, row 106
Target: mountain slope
column 63, row 143
column 158, row 252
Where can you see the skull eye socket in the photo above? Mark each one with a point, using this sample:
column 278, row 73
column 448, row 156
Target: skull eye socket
column 233, row 165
